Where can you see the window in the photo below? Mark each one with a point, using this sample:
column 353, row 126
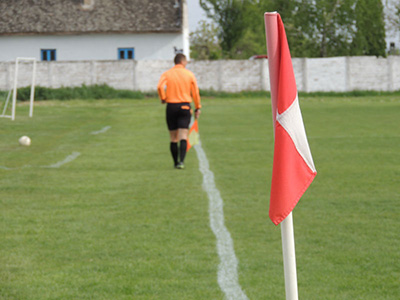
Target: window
column 126, row 53
column 48, row 54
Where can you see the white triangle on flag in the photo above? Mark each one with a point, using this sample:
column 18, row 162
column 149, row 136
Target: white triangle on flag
column 292, row 121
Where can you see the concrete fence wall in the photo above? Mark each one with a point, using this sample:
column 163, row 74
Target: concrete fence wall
column 338, row 74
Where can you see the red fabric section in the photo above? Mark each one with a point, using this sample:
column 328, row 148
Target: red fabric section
column 291, row 176
column 287, row 90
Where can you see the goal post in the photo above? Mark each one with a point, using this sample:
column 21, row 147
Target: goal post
column 15, row 88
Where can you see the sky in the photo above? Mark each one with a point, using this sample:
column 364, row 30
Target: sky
column 196, row 13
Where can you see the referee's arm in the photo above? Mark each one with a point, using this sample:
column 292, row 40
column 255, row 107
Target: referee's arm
column 161, row 88
column 196, row 98
column 195, row 94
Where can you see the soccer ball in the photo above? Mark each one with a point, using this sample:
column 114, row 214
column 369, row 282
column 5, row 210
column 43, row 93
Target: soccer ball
column 24, row 140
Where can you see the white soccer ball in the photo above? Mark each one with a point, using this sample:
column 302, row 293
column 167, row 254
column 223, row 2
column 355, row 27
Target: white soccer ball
column 24, row 140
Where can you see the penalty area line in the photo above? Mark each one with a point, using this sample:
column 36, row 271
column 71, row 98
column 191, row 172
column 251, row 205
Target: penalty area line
column 7, row 169
column 227, row 269
column 68, row 159
column 104, row 129
column 10, row 169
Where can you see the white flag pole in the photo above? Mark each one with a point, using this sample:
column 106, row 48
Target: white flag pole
column 289, row 256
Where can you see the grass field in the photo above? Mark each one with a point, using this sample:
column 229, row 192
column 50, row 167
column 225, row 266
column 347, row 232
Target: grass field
column 119, row 222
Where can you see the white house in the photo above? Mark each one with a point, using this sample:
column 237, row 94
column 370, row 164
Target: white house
column 93, row 29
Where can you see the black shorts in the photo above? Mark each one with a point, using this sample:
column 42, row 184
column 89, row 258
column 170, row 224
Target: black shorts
column 178, row 115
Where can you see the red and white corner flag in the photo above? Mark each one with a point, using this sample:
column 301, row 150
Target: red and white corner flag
column 293, row 166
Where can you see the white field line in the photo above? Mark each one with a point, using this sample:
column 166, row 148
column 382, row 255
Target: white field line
column 104, row 129
column 227, row 270
column 68, row 159
column 8, row 169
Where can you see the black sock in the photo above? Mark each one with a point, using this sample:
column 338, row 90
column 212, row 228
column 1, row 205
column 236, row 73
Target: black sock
column 174, row 151
column 182, row 150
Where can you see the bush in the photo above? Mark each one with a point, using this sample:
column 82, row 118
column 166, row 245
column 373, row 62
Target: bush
column 83, row 92
column 267, row 94
column 3, row 95
column 106, row 92
column 243, row 94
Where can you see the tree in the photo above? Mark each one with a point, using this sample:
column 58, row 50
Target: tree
column 253, row 40
column 314, row 28
column 370, row 29
column 398, row 16
column 229, row 15
column 250, row 44
column 322, row 28
column 204, row 43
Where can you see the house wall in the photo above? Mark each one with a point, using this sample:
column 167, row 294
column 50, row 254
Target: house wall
column 338, row 74
column 149, row 46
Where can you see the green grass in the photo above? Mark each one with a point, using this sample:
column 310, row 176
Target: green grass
column 120, row 223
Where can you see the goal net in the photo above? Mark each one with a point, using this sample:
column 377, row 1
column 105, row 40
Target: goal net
column 27, row 67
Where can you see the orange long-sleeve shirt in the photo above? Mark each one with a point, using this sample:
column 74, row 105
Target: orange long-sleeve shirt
column 179, row 85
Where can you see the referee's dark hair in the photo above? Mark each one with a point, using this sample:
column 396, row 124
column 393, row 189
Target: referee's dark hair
column 179, row 58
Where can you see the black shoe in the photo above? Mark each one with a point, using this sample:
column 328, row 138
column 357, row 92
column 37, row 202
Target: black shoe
column 180, row 166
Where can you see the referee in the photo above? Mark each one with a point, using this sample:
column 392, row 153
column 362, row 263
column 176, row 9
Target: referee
column 177, row 87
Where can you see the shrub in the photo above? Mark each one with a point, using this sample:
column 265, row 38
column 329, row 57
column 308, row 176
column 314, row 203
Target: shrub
column 83, row 92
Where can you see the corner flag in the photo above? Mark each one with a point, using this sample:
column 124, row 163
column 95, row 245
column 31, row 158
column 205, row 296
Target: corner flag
column 293, row 167
column 193, row 136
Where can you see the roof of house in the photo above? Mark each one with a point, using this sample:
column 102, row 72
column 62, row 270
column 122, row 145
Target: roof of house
column 89, row 16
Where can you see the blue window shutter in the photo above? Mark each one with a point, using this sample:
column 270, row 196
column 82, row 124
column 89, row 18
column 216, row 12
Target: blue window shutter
column 48, row 54
column 126, row 53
